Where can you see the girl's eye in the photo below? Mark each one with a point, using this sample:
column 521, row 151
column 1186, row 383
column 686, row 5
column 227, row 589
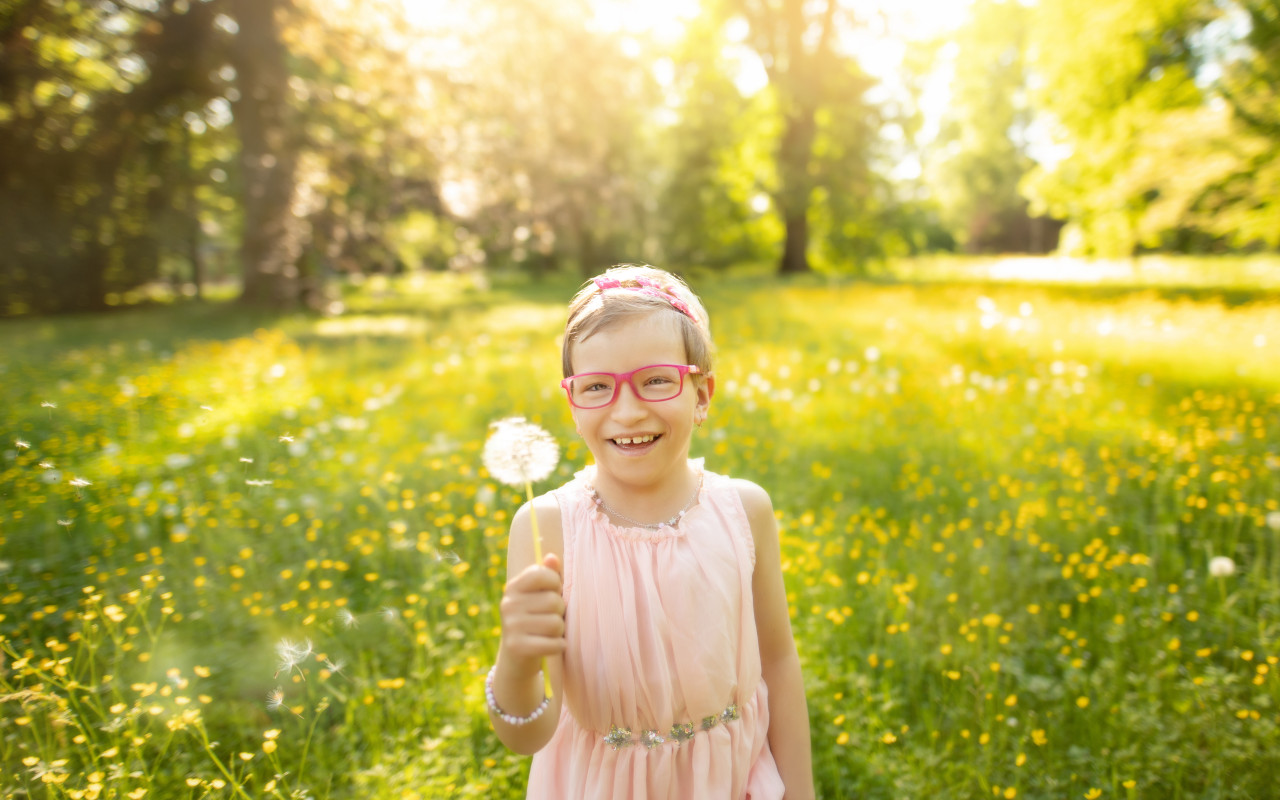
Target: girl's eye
column 598, row 387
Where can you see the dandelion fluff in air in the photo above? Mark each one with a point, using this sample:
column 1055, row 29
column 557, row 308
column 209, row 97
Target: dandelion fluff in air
column 519, row 452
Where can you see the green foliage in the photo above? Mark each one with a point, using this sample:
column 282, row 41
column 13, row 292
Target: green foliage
column 998, row 505
column 1132, row 89
column 980, row 155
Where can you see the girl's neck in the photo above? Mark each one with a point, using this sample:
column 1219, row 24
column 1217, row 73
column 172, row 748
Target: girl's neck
column 648, row 503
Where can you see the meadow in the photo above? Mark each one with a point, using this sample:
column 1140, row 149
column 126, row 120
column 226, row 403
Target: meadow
column 1029, row 534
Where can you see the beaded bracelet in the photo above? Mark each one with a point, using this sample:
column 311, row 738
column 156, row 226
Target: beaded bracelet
column 510, row 719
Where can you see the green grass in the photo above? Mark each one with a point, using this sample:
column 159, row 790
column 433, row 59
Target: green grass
column 998, row 504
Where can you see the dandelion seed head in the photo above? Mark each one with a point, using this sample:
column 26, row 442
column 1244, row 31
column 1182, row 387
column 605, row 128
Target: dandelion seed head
column 519, row 452
column 1222, row 567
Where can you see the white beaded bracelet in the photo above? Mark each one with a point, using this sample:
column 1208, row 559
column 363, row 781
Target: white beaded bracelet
column 510, row 719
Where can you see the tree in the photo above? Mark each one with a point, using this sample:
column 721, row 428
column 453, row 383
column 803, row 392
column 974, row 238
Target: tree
column 264, row 120
column 1135, row 87
column 92, row 103
column 798, row 52
column 980, row 155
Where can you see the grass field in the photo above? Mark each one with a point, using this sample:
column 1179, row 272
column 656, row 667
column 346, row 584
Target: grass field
column 1030, row 537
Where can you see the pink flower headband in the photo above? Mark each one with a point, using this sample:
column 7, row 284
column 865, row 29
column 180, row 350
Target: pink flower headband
column 647, row 287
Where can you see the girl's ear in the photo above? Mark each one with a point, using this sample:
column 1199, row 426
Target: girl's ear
column 706, row 390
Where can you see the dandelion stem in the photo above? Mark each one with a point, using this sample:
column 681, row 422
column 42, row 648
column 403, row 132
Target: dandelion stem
column 537, row 556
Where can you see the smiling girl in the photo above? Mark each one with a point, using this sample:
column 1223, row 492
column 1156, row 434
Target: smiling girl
column 659, row 607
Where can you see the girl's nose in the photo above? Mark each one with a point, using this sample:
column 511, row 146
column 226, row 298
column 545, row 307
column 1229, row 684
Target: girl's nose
column 628, row 403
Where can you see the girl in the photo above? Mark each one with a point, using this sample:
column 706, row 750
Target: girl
column 659, row 607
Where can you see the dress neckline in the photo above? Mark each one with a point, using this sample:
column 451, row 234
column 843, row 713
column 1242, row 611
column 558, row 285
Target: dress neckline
column 585, row 479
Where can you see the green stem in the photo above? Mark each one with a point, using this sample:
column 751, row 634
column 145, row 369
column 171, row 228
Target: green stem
column 537, row 556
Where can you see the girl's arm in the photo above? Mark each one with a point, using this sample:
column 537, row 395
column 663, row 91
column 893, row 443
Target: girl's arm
column 779, row 661
column 532, row 630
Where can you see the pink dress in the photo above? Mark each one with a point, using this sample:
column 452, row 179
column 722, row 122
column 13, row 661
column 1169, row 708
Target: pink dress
column 662, row 690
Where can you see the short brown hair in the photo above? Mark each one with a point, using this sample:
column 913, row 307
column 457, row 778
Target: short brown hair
column 640, row 289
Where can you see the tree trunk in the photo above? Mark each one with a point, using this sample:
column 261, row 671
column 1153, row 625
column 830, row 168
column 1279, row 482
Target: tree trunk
column 272, row 232
column 795, row 152
column 795, row 250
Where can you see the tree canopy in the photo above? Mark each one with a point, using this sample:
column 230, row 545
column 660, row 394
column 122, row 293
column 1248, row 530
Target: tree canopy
column 283, row 142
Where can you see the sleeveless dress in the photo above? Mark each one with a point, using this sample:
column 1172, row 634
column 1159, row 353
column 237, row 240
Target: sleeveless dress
column 663, row 696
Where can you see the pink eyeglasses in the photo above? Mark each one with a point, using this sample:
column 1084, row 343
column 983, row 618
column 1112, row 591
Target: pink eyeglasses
column 653, row 384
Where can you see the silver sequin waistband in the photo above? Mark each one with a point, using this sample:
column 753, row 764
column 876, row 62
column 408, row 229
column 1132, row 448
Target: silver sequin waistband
column 680, row 733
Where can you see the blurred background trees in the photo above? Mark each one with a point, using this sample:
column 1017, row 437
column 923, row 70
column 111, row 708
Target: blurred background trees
column 281, row 143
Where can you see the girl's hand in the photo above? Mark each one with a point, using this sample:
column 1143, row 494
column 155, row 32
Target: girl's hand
column 532, row 612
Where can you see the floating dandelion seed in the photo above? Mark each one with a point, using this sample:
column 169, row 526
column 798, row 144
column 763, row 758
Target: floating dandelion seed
column 519, row 452
column 389, row 614
column 80, row 483
column 348, row 619
column 333, row 666
column 46, row 465
column 66, row 523
column 21, row 445
column 207, row 408
column 275, row 699
column 1222, row 567
column 287, row 439
column 252, row 482
column 448, row 557
column 244, row 460
column 292, row 654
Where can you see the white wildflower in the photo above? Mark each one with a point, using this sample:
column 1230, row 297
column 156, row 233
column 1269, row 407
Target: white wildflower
column 519, row 452
column 1221, row 567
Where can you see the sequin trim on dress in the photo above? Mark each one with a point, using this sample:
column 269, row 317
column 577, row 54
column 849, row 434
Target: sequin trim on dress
column 680, row 733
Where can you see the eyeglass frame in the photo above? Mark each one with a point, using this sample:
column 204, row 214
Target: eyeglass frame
column 621, row 378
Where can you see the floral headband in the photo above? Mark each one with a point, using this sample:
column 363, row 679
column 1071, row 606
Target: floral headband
column 646, row 287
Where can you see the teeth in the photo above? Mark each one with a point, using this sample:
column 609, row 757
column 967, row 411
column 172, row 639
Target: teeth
column 636, row 440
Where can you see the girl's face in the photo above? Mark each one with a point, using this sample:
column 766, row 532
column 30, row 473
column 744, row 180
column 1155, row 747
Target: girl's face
column 658, row 433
